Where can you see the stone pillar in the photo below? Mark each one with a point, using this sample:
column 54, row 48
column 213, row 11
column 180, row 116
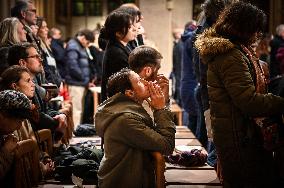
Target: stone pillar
column 160, row 17
column 276, row 16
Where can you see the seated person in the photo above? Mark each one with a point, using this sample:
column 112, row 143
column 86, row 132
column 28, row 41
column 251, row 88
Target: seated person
column 129, row 133
column 18, row 78
column 25, row 55
column 14, row 108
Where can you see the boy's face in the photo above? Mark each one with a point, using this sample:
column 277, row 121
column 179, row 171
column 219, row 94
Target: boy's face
column 140, row 86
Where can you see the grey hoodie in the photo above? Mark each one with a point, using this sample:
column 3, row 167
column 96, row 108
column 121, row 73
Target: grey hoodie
column 129, row 138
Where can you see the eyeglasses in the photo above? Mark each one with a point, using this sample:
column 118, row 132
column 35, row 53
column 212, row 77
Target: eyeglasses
column 34, row 56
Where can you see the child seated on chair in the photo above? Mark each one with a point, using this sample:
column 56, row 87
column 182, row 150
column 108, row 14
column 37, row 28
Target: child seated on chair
column 18, row 78
column 14, row 108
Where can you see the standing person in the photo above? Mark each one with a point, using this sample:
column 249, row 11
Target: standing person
column 57, row 47
column 118, row 30
column 275, row 63
column 25, row 11
column 49, row 62
column 129, row 133
column 134, row 11
column 275, row 44
column 187, row 77
column 78, row 71
column 237, row 95
column 176, row 70
column 211, row 10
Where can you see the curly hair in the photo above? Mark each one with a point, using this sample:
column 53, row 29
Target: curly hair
column 240, row 22
column 119, row 82
column 213, row 8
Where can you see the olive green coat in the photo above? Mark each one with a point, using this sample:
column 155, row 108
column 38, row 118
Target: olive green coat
column 233, row 102
column 129, row 137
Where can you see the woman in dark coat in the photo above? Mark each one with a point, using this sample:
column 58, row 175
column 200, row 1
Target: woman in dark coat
column 237, row 95
column 118, row 31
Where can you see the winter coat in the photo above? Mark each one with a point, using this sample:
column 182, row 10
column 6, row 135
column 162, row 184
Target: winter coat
column 129, row 137
column 200, row 69
column 176, row 71
column 233, row 104
column 77, row 64
column 115, row 58
column 6, row 160
column 188, row 79
column 59, row 53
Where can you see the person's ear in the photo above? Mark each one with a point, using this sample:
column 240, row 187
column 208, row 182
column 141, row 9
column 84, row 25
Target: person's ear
column 129, row 93
column 148, row 71
column 119, row 35
column 23, row 14
column 14, row 86
column 22, row 62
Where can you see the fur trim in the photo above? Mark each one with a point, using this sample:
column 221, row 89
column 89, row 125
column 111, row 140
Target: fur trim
column 209, row 43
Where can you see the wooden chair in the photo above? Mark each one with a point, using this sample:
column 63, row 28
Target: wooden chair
column 45, row 141
column 159, row 169
column 26, row 169
column 67, row 109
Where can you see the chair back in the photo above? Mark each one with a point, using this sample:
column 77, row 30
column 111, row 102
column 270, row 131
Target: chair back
column 45, row 141
column 26, row 169
column 160, row 167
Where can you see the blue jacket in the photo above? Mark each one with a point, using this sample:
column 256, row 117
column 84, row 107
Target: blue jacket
column 77, row 64
column 188, row 79
column 200, row 68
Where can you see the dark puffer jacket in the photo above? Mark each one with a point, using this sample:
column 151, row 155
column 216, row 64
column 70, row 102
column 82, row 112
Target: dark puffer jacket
column 233, row 102
column 77, row 64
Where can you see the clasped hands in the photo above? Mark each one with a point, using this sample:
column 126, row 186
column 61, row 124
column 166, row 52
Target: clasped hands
column 159, row 92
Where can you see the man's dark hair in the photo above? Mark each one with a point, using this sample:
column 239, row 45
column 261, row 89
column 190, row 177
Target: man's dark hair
column 89, row 35
column 143, row 56
column 17, row 52
column 119, row 82
column 233, row 23
column 20, row 6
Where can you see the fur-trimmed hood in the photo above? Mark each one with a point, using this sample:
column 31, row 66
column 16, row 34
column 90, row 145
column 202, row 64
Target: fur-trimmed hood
column 210, row 44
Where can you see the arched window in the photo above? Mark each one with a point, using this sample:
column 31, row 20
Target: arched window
column 113, row 4
column 86, row 7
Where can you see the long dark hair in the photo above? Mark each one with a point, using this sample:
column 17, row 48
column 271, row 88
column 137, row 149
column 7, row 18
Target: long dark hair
column 117, row 21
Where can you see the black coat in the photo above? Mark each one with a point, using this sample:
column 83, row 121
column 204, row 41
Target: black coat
column 115, row 58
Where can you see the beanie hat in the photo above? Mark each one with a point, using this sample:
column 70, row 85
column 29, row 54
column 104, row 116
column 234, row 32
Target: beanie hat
column 15, row 103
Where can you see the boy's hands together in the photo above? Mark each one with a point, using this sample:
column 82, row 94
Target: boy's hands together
column 157, row 98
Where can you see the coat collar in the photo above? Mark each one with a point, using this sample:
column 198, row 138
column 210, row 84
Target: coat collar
column 210, row 44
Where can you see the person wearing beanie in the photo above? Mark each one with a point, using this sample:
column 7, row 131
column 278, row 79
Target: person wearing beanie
column 14, row 108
